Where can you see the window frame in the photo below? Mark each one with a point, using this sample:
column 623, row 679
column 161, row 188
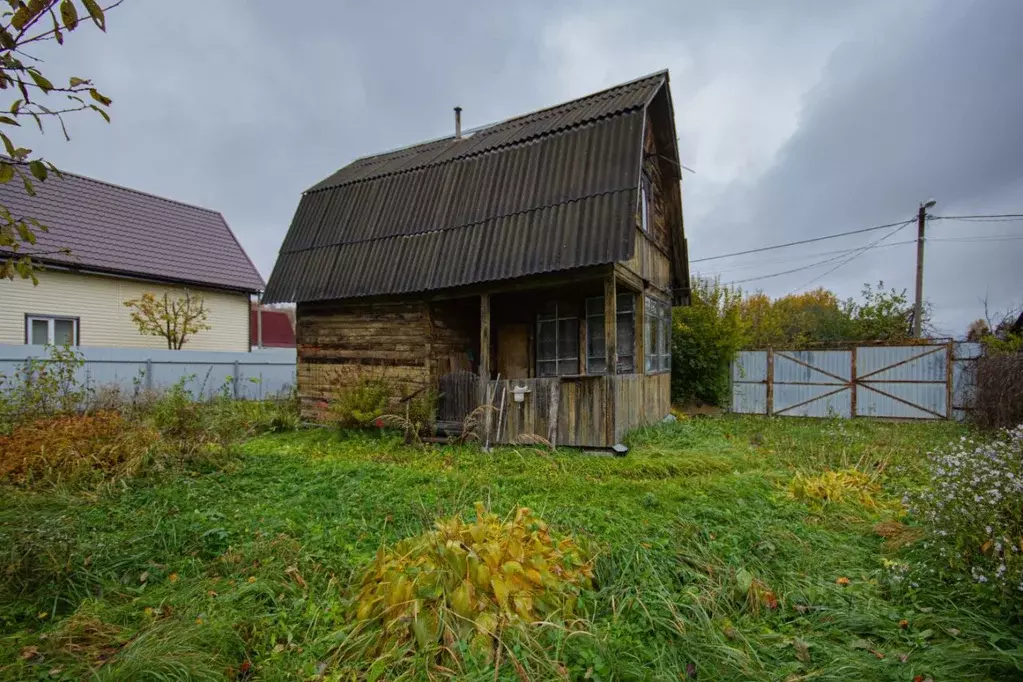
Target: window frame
column 621, row 312
column 51, row 321
column 558, row 361
column 657, row 336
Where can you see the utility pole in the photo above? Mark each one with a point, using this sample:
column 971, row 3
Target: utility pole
column 918, row 307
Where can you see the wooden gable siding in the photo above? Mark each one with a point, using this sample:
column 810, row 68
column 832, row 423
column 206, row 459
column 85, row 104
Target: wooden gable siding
column 651, row 259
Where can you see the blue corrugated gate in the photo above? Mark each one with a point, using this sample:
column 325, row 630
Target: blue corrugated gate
column 928, row 381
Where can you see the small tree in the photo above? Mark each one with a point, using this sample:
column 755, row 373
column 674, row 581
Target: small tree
column 175, row 319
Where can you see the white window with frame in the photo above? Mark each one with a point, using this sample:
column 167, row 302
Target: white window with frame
column 557, row 343
column 658, row 336
column 596, row 356
column 43, row 330
column 644, row 202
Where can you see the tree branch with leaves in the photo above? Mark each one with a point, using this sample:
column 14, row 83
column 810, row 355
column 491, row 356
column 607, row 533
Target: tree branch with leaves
column 33, row 97
column 175, row 319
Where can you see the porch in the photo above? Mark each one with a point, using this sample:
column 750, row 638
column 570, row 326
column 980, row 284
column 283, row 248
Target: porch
column 577, row 362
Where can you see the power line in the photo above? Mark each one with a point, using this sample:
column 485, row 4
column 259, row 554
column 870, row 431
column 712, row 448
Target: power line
column 994, row 217
column 795, row 259
column 796, row 243
column 854, row 256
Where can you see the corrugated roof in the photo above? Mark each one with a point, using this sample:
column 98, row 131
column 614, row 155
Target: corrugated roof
column 123, row 231
column 551, row 190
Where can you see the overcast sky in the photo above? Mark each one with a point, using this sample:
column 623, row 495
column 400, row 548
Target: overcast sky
column 799, row 118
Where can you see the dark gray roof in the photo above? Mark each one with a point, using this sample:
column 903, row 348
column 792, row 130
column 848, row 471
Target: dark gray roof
column 551, row 190
column 122, row 231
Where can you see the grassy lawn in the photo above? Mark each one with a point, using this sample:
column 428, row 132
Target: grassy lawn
column 707, row 569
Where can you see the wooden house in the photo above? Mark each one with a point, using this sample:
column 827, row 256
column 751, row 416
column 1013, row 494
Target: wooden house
column 542, row 254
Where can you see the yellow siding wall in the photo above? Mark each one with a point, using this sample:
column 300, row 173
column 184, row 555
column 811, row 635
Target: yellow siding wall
column 98, row 302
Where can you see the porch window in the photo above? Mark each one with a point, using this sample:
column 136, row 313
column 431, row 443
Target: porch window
column 658, row 336
column 596, row 357
column 557, row 344
column 41, row 330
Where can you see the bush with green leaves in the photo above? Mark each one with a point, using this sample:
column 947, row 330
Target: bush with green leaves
column 42, row 388
column 705, row 338
column 358, row 405
column 972, row 511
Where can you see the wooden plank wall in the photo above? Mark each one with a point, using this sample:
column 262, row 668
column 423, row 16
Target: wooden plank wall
column 339, row 344
column 531, row 417
column 640, row 400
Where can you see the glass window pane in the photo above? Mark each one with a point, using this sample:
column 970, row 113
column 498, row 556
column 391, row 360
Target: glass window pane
column 626, row 303
column 64, row 332
column 626, row 336
column 546, row 346
column 568, row 338
column 595, row 337
column 596, row 366
column 39, row 332
column 595, row 306
column 626, row 364
column 547, row 369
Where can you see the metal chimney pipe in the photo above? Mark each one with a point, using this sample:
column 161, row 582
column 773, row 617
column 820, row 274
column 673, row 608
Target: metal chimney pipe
column 458, row 123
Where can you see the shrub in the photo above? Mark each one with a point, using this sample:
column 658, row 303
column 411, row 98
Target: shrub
column 998, row 397
column 470, row 581
column 70, row 448
column 972, row 510
column 835, row 487
column 705, row 337
column 42, row 388
column 358, row 405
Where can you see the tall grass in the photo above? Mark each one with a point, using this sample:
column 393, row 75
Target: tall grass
column 705, row 568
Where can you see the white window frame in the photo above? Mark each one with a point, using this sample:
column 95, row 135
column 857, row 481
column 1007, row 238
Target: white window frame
column 50, row 327
column 629, row 315
column 657, row 336
column 571, row 363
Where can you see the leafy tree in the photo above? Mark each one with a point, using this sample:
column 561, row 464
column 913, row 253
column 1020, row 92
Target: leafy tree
column 884, row 315
column 705, row 337
column 175, row 319
column 32, row 95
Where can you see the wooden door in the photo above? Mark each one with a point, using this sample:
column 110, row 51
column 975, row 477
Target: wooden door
column 513, row 350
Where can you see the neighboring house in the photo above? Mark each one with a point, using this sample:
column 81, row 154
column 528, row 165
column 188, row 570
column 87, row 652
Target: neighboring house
column 122, row 244
column 271, row 328
column 546, row 250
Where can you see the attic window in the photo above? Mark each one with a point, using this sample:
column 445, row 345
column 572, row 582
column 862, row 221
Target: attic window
column 644, row 202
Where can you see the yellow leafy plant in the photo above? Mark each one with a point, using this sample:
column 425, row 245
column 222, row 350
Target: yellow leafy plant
column 470, row 581
column 836, row 487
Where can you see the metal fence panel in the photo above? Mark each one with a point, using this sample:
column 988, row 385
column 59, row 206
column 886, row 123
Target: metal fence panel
column 812, row 383
column 904, row 382
column 749, row 382
column 253, row 376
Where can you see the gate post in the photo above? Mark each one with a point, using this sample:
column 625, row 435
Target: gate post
column 769, row 408
column 949, row 380
column 852, row 384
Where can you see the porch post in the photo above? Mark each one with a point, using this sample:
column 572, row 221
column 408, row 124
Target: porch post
column 610, row 325
column 485, row 337
column 610, row 356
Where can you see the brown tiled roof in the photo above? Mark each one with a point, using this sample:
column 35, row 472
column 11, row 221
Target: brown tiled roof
column 123, row 231
column 552, row 190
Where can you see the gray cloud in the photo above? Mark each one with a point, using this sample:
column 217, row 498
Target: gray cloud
column 800, row 118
